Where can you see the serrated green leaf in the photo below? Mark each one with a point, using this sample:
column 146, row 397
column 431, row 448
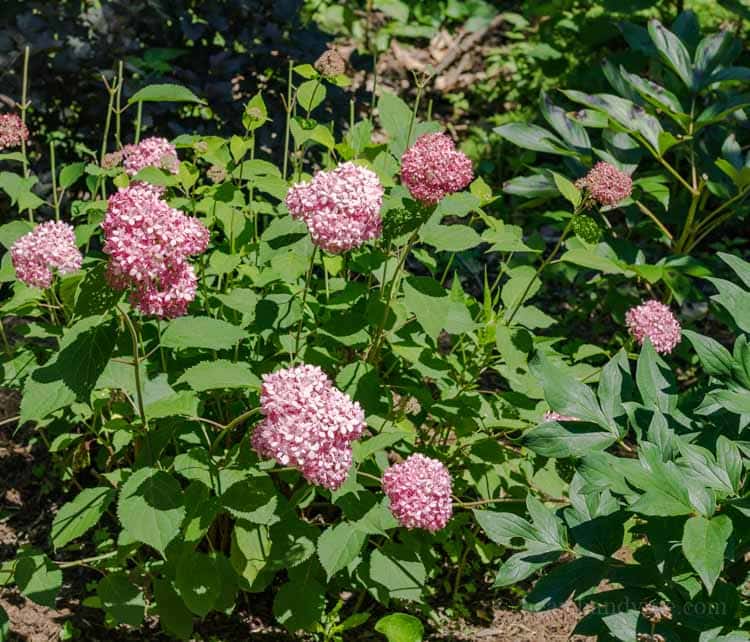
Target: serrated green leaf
column 164, row 93
column 299, row 605
column 201, row 332
column 338, row 546
column 150, row 507
column 122, row 600
column 78, row 516
column 38, row 578
column 197, row 582
column 210, row 375
column 400, row 627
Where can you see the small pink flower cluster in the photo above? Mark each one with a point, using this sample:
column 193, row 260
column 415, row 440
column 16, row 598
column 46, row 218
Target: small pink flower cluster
column 51, row 245
column 550, row 415
column 308, row 424
column 433, row 168
column 341, row 208
column 150, row 152
column 148, row 243
column 655, row 321
column 13, row 131
column 606, row 184
column 419, row 490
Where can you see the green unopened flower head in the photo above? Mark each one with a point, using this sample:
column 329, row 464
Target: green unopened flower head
column 587, row 229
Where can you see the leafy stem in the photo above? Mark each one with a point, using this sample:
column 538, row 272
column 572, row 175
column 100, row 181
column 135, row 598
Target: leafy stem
column 308, row 278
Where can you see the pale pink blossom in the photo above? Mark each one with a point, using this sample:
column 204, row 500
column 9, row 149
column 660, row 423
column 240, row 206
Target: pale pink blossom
column 13, row 131
column 655, row 321
column 433, row 168
column 150, row 152
column 341, row 207
column 606, row 184
column 51, row 246
column 149, row 243
column 419, row 490
column 308, row 424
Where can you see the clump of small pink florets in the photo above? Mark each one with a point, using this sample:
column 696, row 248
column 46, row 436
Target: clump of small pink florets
column 655, row 321
column 308, row 424
column 149, row 243
column 51, row 246
column 419, row 490
column 551, row 415
column 150, row 152
column 341, row 207
column 433, row 168
column 606, row 184
column 13, row 131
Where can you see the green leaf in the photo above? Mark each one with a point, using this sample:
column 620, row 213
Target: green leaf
column 150, row 507
column 704, row 542
column 299, row 605
column 735, row 300
column 78, row 516
column 533, row 137
column 395, row 117
column 566, row 395
column 165, row 93
column 174, row 617
column 400, row 627
column 655, row 380
column 715, row 358
column 399, row 570
column 201, row 332
column 672, row 52
column 569, row 191
column 522, row 565
column 38, row 578
column 94, row 294
column 122, row 601
column 434, row 308
column 256, row 113
column 210, row 375
column 740, row 267
column 197, row 582
column 449, row 238
column 4, row 625
column 567, row 439
column 250, row 550
column 84, row 353
column 70, row 174
column 338, row 546
column 310, row 94
column 501, row 528
column 11, row 232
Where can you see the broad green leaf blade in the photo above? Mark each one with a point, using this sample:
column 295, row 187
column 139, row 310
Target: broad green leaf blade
column 655, row 380
column 150, row 507
column 197, row 582
column 400, row 627
column 501, row 528
column 715, row 358
column 672, row 52
column 164, row 93
column 122, row 600
column 338, row 546
column 38, row 578
column 210, row 375
column 566, row 395
column 78, row 516
column 522, row 565
column 174, row 617
column 533, row 137
column 400, row 571
column 299, row 605
column 201, row 332
column 567, row 439
column 703, row 543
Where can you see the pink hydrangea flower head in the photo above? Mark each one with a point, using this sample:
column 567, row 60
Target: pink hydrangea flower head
column 341, row 207
column 654, row 320
column 149, row 243
column 308, row 423
column 606, row 184
column 13, row 131
column 51, row 246
column 150, row 152
column 419, row 490
column 433, row 168
column 550, row 415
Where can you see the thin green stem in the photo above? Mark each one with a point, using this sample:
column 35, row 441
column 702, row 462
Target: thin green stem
column 23, row 108
column 308, row 278
column 118, row 108
column 287, row 129
column 55, row 195
column 86, row 560
column 138, row 121
column 136, row 365
column 377, row 337
column 687, row 229
column 369, row 476
column 232, row 424
column 645, row 210
column 544, row 264
column 3, row 336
